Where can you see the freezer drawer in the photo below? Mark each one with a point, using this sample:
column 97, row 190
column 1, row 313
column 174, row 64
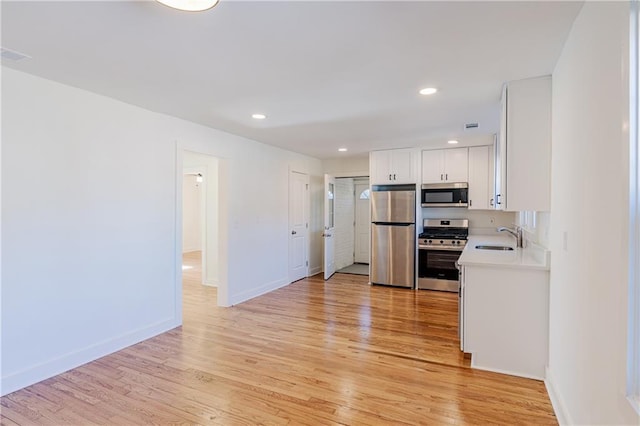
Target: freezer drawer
column 393, row 254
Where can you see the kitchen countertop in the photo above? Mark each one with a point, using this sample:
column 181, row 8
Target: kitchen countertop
column 531, row 257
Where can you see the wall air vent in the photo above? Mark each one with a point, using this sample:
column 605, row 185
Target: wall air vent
column 471, row 126
column 12, row 55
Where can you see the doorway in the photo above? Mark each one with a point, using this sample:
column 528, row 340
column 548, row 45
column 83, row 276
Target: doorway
column 353, row 225
column 199, row 237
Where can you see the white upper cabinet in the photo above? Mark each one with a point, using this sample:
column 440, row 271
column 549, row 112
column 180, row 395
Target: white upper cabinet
column 481, row 178
column 445, row 165
column 394, row 166
column 523, row 162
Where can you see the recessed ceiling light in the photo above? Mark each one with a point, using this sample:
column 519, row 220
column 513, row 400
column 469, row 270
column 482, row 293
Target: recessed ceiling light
column 428, row 91
column 190, row 5
column 452, row 142
column 258, row 116
column 342, row 149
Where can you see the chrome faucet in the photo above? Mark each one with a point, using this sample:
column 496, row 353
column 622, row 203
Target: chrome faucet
column 517, row 233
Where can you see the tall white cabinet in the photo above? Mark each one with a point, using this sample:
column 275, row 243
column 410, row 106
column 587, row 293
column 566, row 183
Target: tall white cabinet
column 394, row 166
column 481, row 178
column 445, row 165
column 523, row 160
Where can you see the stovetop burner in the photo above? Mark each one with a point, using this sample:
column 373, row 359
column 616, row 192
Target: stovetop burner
column 456, row 234
column 444, row 233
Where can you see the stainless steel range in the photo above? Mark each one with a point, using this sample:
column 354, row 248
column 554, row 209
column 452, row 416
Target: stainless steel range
column 439, row 247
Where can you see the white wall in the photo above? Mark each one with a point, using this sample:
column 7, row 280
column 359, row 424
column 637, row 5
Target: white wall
column 588, row 284
column 91, row 189
column 356, row 166
column 191, row 214
column 345, row 214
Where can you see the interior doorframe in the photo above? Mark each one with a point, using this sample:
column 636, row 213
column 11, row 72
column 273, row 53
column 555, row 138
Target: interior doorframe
column 223, row 222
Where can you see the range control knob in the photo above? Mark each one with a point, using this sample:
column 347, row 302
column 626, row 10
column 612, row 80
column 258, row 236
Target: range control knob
column 430, row 241
column 441, row 242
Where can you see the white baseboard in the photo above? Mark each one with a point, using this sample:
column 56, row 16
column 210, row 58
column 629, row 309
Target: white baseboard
column 556, row 400
column 510, row 373
column 255, row 292
column 315, row 271
column 210, row 283
column 45, row 370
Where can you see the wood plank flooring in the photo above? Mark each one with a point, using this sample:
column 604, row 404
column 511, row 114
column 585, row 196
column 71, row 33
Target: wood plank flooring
column 314, row 352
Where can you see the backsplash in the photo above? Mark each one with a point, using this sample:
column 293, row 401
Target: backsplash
column 480, row 221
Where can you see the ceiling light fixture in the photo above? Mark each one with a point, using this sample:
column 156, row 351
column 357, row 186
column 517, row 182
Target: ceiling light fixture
column 342, row 149
column 258, row 116
column 428, row 91
column 452, row 142
column 189, row 5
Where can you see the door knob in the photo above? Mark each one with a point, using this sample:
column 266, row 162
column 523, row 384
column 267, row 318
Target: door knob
column 293, row 232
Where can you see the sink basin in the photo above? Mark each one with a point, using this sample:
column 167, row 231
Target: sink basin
column 488, row 247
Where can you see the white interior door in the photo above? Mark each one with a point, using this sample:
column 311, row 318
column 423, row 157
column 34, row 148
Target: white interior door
column 298, row 226
column 363, row 223
column 329, row 226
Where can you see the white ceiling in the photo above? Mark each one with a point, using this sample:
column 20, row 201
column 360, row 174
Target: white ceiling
column 327, row 74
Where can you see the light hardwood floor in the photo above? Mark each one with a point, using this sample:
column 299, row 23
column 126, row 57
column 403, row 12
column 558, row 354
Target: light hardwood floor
column 314, row 352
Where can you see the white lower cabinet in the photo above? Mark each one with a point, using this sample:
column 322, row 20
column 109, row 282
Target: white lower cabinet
column 505, row 319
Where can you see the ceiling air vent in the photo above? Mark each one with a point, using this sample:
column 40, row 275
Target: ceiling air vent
column 12, row 55
column 469, row 126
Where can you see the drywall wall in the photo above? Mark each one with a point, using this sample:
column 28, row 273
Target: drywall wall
column 355, row 166
column 191, row 214
column 588, row 283
column 92, row 233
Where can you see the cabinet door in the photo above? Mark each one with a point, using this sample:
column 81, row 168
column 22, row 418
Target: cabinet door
column 380, row 167
column 456, row 164
column 480, row 178
column 403, row 167
column 501, row 155
column 433, row 166
column 528, row 175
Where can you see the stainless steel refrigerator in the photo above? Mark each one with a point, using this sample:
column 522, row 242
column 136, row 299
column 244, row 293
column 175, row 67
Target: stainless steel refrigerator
column 393, row 235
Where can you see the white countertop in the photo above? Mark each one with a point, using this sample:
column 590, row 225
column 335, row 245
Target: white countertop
column 532, row 257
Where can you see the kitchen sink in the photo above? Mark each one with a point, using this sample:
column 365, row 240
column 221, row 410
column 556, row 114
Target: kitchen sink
column 487, row 247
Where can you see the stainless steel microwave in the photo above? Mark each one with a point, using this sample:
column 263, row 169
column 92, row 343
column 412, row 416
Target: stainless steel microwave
column 454, row 194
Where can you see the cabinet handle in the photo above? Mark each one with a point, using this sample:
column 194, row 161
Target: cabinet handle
column 394, row 176
column 441, row 175
column 491, row 202
column 446, row 177
column 470, row 203
column 389, row 177
column 498, row 199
